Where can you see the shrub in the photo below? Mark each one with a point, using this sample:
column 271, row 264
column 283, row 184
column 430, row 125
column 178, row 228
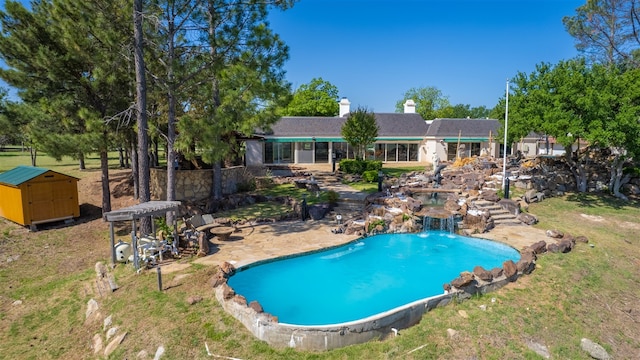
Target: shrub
column 351, row 166
column 332, row 197
column 370, row 176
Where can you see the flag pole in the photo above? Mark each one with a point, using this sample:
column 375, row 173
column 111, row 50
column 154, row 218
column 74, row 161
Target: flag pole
column 506, row 127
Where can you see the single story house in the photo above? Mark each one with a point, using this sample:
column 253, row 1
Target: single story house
column 402, row 137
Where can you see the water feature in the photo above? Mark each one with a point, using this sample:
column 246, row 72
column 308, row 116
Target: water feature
column 366, row 277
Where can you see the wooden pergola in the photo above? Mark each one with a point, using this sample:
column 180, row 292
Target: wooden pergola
column 138, row 211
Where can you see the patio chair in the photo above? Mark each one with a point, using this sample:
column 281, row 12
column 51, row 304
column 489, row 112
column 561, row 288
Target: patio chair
column 201, row 223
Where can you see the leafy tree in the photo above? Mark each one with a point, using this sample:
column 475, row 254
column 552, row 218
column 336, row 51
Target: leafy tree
column 430, row 103
column 606, row 30
column 462, row 111
column 572, row 101
column 318, row 98
column 360, row 130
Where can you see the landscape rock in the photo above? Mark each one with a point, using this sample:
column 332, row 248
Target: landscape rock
column 256, row 306
column 510, row 270
column 92, row 307
column 463, row 280
column 539, row 349
column 539, row 247
column 97, row 343
column 114, row 344
column 595, row 350
column 556, row 234
column 194, row 299
column 482, row 274
column 496, row 272
column 526, row 218
column 107, row 322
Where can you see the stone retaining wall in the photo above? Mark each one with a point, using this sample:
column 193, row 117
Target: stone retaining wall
column 192, row 185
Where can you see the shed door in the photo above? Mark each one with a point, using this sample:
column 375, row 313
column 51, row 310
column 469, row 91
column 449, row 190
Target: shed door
column 50, row 200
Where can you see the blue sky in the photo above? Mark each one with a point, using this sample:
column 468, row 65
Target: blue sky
column 373, row 51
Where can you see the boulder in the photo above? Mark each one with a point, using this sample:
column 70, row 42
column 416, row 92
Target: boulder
column 463, row 280
column 510, row 270
column 526, row 218
column 256, row 306
column 511, row 206
column 554, row 233
column 227, row 268
column 482, row 274
column 539, row 247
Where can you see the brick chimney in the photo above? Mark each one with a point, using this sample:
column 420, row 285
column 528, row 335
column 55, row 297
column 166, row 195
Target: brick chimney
column 345, row 107
column 409, row 107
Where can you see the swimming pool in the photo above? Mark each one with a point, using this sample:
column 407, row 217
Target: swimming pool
column 364, row 278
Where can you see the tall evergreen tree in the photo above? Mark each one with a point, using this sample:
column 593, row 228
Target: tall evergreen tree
column 65, row 58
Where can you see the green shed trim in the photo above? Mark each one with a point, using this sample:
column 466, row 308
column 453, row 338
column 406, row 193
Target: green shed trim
column 22, row 174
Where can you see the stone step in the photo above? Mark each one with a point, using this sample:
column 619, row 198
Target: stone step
column 481, row 203
column 507, row 222
column 506, row 216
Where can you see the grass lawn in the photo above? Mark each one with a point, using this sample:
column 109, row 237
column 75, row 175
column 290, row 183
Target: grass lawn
column 591, row 292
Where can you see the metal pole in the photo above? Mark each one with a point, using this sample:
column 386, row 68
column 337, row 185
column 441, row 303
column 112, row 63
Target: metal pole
column 159, row 278
column 506, row 127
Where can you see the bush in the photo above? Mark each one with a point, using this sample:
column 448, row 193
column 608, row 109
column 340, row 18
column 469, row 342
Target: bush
column 332, row 197
column 351, row 166
column 370, row 176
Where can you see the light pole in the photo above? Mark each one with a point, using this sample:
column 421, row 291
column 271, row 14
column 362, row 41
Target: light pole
column 506, row 127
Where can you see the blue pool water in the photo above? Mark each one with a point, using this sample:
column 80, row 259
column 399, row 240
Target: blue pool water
column 364, row 278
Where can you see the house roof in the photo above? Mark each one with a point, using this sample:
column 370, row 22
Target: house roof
column 391, row 125
column 450, row 129
column 21, row 174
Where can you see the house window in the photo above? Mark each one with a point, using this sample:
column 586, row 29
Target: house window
column 278, row 152
column 379, row 152
column 467, row 149
column 392, row 152
column 413, row 152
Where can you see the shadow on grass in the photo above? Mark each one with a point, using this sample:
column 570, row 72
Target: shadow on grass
column 591, row 200
column 88, row 212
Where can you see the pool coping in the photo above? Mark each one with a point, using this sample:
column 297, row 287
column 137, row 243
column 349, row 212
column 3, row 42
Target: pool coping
column 266, row 327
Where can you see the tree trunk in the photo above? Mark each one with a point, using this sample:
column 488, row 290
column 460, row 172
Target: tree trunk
column 134, row 170
column 81, row 163
column 34, row 154
column 156, row 156
column 106, row 192
column 121, row 157
column 141, row 96
column 578, row 170
column 615, row 181
column 216, row 183
column 171, row 120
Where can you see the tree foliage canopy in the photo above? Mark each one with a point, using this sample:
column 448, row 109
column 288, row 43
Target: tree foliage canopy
column 432, row 104
column 360, row 130
column 317, row 98
column 607, row 31
column 572, row 101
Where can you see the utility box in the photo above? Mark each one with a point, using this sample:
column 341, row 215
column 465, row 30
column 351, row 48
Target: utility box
column 31, row 195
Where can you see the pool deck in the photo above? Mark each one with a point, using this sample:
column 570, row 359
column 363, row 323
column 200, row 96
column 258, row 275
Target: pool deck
column 256, row 242
column 261, row 242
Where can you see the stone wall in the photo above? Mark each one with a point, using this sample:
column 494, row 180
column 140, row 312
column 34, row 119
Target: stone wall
column 192, row 185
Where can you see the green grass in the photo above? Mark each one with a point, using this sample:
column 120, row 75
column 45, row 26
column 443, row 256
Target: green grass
column 13, row 156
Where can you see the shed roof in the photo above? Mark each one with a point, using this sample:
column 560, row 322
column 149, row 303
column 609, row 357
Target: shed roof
column 21, row 174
